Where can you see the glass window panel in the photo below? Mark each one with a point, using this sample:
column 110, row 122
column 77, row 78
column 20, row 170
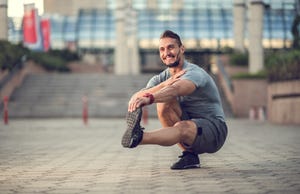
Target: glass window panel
column 139, row 4
column 164, row 4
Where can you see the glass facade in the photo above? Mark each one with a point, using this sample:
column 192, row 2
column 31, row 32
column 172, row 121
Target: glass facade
column 15, row 30
column 200, row 23
column 279, row 16
column 95, row 29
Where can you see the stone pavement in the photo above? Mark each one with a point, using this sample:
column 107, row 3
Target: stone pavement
column 65, row 156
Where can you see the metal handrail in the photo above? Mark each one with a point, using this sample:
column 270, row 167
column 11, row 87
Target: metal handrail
column 19, row 65
column 224, row 74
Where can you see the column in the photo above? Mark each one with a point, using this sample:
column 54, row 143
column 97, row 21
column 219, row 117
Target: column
column 133, row 48
column 3, row 20
column 152, row 4
column 239, row 13
column 255, row 29
column 121, row 57
column 127, row 60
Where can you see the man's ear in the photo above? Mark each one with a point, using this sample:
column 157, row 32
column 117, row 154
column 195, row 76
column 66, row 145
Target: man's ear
column 182, row 49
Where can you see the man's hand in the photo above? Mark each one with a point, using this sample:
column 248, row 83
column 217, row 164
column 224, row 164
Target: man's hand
column 136, row 102
column 174, row 78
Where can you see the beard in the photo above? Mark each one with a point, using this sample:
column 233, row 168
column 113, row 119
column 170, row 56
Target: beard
column 176, row 63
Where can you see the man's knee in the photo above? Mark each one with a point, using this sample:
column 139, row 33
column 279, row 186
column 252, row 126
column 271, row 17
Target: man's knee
column 187, row 130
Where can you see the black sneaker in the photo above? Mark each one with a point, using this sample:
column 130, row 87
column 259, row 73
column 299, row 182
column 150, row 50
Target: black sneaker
column 134, row 133
column 187, row 160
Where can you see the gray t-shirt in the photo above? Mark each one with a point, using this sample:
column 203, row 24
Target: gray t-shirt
column 205, row 101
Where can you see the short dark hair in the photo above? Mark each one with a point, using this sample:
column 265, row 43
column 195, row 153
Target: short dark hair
column 171, row 34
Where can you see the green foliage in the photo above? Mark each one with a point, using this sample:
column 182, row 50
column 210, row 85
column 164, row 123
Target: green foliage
column 227, row 49
column 54, row 60
column 259, row 75
column 64, row 54
column 295, row 32
column 283, row 65
column 49, row 62
column 11, row 54
column 238, row 58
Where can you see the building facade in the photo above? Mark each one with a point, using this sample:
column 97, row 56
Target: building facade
column 202, row 24
column 104, row 26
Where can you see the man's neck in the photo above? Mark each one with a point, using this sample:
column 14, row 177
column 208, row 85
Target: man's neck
column 174, row 70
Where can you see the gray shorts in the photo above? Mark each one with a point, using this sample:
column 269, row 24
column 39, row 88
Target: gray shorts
column 211, row 136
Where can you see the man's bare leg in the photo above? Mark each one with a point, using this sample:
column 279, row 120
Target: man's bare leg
column 168, row 113
column 173, row 131
column 182, row 131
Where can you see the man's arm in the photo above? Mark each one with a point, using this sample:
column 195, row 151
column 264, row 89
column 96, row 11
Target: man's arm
column 160, row 86
column 165, row 94
column 169, row 92
column 136, row 98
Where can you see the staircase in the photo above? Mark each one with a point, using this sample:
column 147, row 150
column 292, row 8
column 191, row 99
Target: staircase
column 60, row 95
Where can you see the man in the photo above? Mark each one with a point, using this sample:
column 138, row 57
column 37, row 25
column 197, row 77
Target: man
column 188, row 107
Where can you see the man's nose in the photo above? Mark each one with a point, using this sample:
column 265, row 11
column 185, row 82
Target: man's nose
column 166, row 52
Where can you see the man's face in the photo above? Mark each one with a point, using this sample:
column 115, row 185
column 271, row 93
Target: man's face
column 170, row 52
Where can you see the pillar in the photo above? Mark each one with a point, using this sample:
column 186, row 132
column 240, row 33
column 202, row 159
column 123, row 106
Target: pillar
column 133, row 48
column 255, row 29
column 3, row 20
column 239, row 13
column 152, row 4
column 121, row 56
column 127, row 60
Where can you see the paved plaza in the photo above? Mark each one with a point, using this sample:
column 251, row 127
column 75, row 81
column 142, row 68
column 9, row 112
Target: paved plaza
column 65, row 156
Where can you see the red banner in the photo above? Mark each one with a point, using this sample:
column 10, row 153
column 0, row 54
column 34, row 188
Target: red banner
column 30, row 27
column 45, row 26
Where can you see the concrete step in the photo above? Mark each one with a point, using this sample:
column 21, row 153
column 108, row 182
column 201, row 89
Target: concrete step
column 60, row 95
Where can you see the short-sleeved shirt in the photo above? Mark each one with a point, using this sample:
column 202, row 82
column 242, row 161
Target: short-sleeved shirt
column 205, row 101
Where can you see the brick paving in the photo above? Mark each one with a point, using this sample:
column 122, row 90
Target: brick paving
column 65, row 156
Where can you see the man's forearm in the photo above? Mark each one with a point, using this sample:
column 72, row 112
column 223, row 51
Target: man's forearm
column 166, row 94
column 152, row 90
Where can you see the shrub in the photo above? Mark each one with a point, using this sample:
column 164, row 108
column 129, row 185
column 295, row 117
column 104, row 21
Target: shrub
column 227, row 49
column 49, row 62
column 239, row 58
column 259, row 75
column 10, row 54
column 283, row 65
column 64, row 54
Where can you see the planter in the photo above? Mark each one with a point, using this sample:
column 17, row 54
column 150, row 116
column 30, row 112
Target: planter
column 284, row 102
column 249, row 97
column 233, row 70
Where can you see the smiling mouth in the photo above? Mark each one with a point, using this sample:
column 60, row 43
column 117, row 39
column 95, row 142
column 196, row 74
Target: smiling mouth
column 169, row 57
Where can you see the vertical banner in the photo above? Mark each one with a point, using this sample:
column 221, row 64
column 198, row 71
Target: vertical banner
column 46, row 29
column 31, row 28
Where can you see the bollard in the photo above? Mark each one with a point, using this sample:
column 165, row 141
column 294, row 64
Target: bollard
column 253, row 113
column 261, row 113
column 85, row 110
column 5, row 110
column 145, row 115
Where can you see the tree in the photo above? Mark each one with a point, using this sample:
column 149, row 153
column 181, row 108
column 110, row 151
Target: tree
column 295, row 26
